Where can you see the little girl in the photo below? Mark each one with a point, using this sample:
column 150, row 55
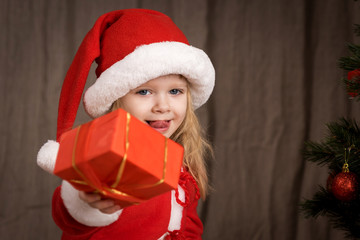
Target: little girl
column 147, row 67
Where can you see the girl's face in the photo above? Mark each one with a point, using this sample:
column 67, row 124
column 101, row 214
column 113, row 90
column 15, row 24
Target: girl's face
column 160, row 102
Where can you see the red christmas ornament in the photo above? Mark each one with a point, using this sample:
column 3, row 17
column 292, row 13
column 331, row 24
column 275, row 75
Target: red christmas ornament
column 345, row 186
column 354, row 78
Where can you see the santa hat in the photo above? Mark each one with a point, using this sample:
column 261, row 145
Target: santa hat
column 130, row 47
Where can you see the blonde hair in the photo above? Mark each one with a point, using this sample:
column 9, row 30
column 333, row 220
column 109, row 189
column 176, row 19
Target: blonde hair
column 190, row 136
column 196, row 148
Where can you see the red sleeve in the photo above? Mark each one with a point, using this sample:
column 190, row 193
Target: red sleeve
column 70, row 227
column 193, row 227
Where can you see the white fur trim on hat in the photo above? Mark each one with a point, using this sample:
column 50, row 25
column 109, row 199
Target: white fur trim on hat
column 47, row 154
column 81, row 211
column 147, row 62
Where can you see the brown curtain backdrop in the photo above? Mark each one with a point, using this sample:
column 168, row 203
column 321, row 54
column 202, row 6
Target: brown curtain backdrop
column 277, row 85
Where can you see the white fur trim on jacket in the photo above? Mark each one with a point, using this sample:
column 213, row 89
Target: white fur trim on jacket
column 81, row 211
column 176, row 211
column 47, row 154
column 147, row 62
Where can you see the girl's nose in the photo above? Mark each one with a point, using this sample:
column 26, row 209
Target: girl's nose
column 161, row 104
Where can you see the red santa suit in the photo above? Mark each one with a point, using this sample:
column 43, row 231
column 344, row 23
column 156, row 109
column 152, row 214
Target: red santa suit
column 171, row 215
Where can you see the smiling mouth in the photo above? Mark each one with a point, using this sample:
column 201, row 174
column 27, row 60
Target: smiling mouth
column 159, row 125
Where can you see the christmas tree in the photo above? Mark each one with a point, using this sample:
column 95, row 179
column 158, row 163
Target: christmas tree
column 339, row 200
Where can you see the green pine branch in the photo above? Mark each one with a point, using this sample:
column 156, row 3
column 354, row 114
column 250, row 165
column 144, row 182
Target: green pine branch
column 343, row 215
column 351, row 62
column 342, row 134
column 330, row 152
column 320, row 205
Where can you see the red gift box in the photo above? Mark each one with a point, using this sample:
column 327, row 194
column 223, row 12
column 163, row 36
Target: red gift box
column 120, row 157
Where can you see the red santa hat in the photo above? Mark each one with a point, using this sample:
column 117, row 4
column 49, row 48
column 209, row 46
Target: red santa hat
column 130, row 47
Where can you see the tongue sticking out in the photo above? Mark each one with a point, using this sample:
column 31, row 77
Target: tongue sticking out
column 159, row 124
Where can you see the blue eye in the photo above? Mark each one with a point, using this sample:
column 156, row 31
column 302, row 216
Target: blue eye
column 175, row 91
column 143, row 92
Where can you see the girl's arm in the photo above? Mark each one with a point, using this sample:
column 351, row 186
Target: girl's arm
column 66, row 223
column 193, row 227
column 76, row 217
column 192, row 224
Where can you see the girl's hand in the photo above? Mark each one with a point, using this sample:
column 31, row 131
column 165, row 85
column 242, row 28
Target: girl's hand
column 94, row 200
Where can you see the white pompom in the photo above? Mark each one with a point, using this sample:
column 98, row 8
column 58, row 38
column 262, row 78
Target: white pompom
column 46, row 157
